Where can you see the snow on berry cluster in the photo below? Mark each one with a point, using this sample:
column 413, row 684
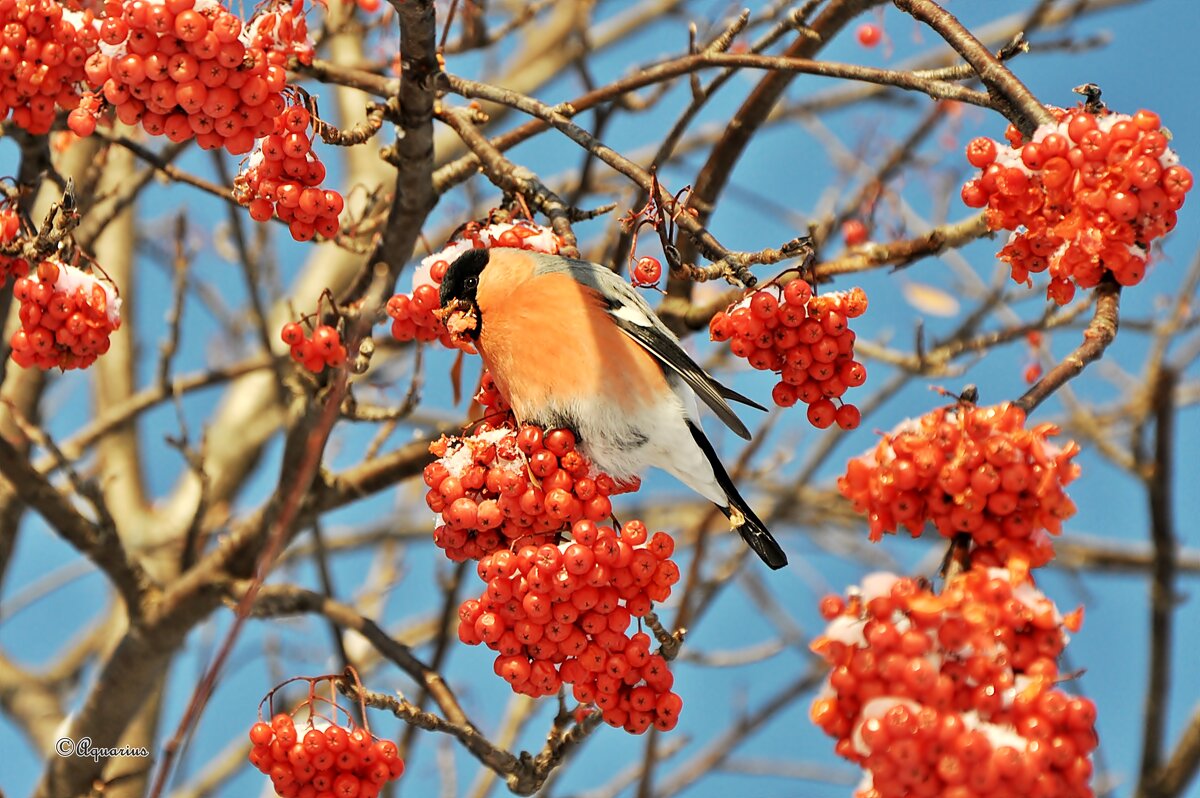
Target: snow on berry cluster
column 190, row 69
column 43, row 49
column 561, row 614
column 806, row 340
column 953, row 693
column 412, row 314
column 968, row 469
column 1085, row 196
column 282, row 178
column 67, row 316
column 323, row 347
column 501, row 485
column 330, row 760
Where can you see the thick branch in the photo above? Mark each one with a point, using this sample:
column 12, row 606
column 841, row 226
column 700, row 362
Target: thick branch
column 515, row 179
column 1162, row 586
column 1181, row 768
column 1099, row 334
column 1011, row 96
column 99, row 544
column 413, row 196
column 555, row 117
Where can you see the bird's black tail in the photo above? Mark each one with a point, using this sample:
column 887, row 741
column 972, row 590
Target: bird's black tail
column 752, row 530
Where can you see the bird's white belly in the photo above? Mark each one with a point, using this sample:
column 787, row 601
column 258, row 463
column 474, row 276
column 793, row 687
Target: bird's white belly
column 623, row 445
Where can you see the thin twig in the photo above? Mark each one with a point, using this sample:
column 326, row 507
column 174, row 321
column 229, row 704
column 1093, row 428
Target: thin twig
column 1010, row 96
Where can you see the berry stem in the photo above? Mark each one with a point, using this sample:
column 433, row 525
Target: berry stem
column 351, row 673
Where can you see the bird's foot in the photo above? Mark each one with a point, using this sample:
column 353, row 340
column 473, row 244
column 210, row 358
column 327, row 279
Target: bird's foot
column 630, row 485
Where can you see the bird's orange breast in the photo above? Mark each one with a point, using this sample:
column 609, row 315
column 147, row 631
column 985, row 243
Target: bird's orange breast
column 547, row 340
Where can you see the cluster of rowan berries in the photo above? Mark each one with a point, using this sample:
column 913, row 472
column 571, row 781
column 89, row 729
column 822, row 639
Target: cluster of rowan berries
column 561, row 613
column 323, row 347
column 188, row 69
column 328, row 761
column 67, row 316
column 806, row 340
column 412, row 314
column 502, row 485
column 968, row 469
column 555, row 610
column 43, row 49
column 282, row 178
column 952, row 694
column 1085, row 196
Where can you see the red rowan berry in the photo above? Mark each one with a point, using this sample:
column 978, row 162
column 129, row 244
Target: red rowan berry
column 847, row 417
column 869, row 34
column 854, row 232
column 647, row 271
column 261, row 733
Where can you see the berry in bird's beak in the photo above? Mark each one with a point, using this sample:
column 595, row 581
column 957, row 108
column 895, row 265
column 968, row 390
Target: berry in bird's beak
column 460, row 319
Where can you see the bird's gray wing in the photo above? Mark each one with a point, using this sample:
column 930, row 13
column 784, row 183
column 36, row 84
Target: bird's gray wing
column 637, row 320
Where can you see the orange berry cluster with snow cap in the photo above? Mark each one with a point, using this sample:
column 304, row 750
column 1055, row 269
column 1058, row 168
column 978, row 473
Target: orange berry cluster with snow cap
column 189, row 69
column 330, row 761
column 283, row 177
column 561, row 613
column 1085, row 196
column 953, row 694
column 412, row 314
column 67, row 316
column 806, row 340
column 968, row 469
column 43, row 49
column 502, row 485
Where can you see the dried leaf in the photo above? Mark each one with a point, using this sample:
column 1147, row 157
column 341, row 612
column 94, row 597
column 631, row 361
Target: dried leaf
column 930, row 300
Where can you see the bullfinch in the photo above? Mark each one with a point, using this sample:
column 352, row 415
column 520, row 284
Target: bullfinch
column 570, row 344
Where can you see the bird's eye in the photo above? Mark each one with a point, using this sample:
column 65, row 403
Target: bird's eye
column 471, row 282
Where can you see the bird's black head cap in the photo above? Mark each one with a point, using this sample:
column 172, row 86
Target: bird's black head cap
column 462, row 278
